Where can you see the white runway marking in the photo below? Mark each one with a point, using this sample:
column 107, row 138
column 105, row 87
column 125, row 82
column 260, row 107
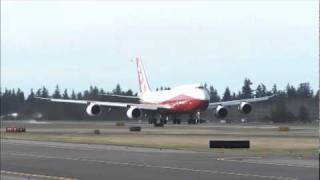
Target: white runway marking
column 101, row 148
column 12, row 173
column 154, row 166
column 232, row 159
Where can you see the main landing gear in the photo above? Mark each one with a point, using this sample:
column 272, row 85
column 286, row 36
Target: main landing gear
column 176, row 121
column 158, row 122
column 195, row 118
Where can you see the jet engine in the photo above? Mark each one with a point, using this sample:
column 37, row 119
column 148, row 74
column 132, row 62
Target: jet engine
column 133, row 112
column 93, row 109
column 221, row 111
column 245, row 107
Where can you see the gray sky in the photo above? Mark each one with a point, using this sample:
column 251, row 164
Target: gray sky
column 78, row 43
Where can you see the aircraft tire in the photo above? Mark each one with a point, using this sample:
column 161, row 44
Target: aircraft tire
column 178, row 121
column 191, row 121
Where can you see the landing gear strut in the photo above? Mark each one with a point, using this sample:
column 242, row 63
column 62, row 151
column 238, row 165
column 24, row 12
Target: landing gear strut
column 195, row 118
column 175, row 120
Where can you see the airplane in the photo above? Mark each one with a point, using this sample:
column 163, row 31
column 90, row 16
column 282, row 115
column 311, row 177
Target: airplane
column 158, row 106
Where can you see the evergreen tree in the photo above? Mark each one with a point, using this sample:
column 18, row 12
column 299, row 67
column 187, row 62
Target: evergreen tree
column 280, row 113
column 20, row 96
column 205, row 85
column 79, row 96
column 274, row 89
column 303, row 114
column 90, row 89
column 44, row 92
column 226, row 95
column 73, row 95
column 264, row 90
column 234, row 96
column 102, row 92
column 117, row 90
column 246, row 89
column 5, row 104
column 304, row 90
column 94, row 92
column 239, row 95
column 14, row 101
column 86, row 95
column 261, row 90
column 291, row 91
column 129, row 93
column 57, row 93
column 214, row 97
column 65, row 94
column 38, row 93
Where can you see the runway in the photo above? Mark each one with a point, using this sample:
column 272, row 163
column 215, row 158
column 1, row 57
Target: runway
column 50, row 160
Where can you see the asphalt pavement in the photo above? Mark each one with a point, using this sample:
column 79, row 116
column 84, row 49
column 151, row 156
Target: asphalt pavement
column 50, row 160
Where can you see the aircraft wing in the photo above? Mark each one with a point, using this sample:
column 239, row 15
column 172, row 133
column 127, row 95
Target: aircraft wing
column 120, row 96
column 238, row 102
column 109, row 104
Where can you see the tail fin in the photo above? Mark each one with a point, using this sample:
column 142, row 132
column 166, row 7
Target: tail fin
column 143, row 81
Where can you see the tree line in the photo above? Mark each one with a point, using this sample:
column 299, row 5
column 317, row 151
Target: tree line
column 15, row 100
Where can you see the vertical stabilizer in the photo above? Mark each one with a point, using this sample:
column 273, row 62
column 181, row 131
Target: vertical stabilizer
column 143, row 81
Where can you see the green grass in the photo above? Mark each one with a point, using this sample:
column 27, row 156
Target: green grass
column 262, row 146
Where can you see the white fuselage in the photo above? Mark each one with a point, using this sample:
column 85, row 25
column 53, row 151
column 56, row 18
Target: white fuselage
column 180, row 99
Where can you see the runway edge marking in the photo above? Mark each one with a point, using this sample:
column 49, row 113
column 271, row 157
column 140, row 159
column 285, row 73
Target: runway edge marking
column 34, row 175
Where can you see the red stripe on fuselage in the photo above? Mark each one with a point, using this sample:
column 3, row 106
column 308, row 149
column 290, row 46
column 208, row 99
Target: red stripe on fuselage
column 185, row 104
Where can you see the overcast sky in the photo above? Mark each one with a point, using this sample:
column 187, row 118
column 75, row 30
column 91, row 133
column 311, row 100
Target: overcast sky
column 77, row 43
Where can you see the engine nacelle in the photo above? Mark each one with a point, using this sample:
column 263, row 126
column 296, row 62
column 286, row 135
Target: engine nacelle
column 93, row 109
column 221, row 111
column 245, row 107
column 133, row 112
